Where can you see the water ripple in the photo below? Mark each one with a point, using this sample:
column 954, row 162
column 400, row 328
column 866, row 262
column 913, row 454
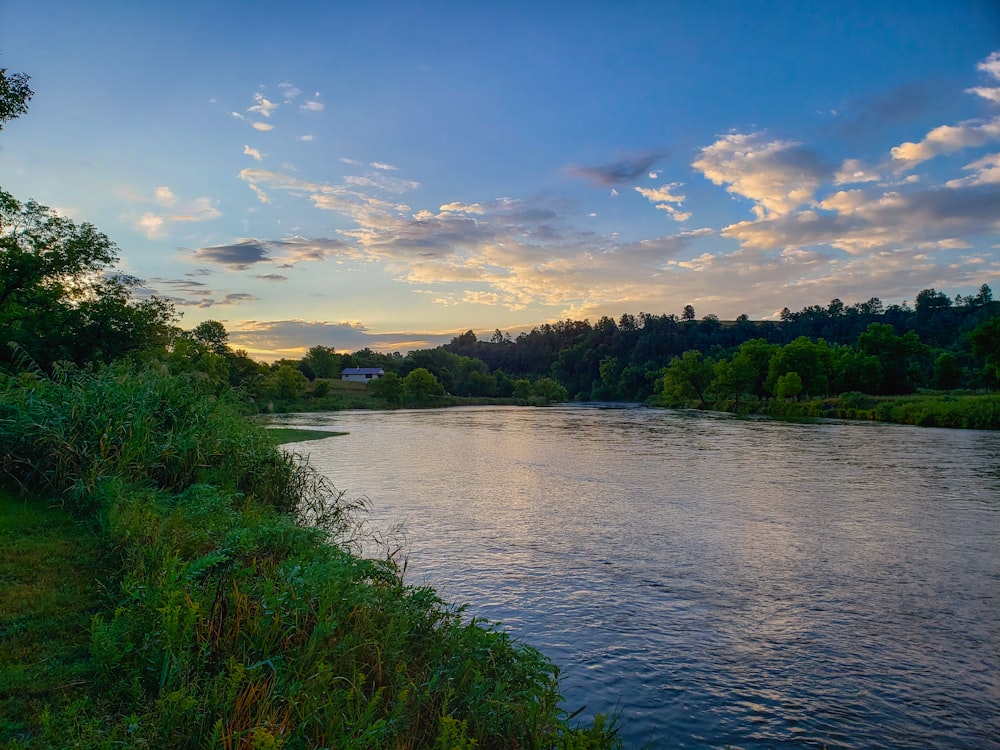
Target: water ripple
column 726, row 582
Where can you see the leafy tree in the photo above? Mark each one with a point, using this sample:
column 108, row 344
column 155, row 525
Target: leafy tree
column 389, row 388
column 549, row 391
column 60, row 298
column 324, row 362
column 287, row 382
column 522, row 389
column 14, row 95
column 734, row 377
column 986, row 344
column 810, row 360
column 688, row 312
column 899, row 356
column 788, row 385
column 422, row 386
column 212, row 334
column 688, row 376
column 947, row 372
column 856, row 371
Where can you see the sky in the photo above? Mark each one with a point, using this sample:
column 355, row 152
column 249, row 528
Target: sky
column 391, row 174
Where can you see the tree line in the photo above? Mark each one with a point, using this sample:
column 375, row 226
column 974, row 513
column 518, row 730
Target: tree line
column 61, row 301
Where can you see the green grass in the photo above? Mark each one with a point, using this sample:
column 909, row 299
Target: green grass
column 199, row 587
column 283, row 435
column 51, row 566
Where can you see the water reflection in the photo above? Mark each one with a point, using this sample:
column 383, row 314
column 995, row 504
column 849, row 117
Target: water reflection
column 729, row 581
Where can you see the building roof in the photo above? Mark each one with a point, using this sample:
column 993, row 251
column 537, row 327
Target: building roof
column 362, row 371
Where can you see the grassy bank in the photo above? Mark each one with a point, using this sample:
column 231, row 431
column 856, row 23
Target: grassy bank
column 960, row 411
column 216, row 598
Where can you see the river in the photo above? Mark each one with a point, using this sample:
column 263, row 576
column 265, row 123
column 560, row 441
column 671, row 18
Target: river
column 721, row 582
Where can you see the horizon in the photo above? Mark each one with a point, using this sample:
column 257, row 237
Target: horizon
column 391, row 177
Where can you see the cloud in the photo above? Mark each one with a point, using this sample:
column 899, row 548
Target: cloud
column 241, row 255
column 165, row 196
column 271, row 277
column 155, row 224
column 666, row 200
column 188, row 293
column 854, row 171
column 380, row 165
column 776, row 175
column 253, row 153
column 305, row 138
column 262, row 126
column 619, row 172
column 860, row 223
column 151, row 225
column 899, row 105
column 289, row 91
column 238, row 256
column 945, row 139
column 990, row 66
column 264, row 107
column 200, row 209
column 294, row 337
column 986, row 171
column 312, row 106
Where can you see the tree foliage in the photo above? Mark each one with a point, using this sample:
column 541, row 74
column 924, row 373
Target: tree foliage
column 14, row 95
column 60, row 298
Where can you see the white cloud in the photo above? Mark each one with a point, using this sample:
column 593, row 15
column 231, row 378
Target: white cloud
column 991, row 65
column 666, row 200
column 199, row 209
column 990, row 93
column 946, row 139
column 165, row 196
column 253, row 153
column 986, row 171
column 305, row 138
column 312, row 106
column 289, row 91
column 382, row 166
column 263, row 126
column 778, row 176
column 151, row 225
column 662, row 194
column 854, row 171
column 264, row 106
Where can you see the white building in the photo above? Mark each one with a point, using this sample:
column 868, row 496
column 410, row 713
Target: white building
column 361, row 374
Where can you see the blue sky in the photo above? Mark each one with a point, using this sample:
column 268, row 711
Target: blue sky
column 390, row 174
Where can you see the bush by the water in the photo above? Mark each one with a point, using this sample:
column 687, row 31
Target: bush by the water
column 238, row 614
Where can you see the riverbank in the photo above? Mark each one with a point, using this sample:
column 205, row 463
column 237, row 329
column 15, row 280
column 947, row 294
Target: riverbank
column 959, row 411
column 220, row 599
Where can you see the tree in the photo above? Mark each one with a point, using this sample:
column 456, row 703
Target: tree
column 734, row 377
column 986, row 344
column 14, row 95
column 687, row 313
column 788, row 385
column 389, row 387
column 812, row 362
column 287, row 382
column 522, row 389
column 899, row 356
column 323, row 361
column 422, row 386
column 687, row 376
column 549, row 391
column 947, row 372
column 60, row 298
column 213, row 335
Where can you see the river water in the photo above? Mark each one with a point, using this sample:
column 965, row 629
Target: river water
column 721, row 582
